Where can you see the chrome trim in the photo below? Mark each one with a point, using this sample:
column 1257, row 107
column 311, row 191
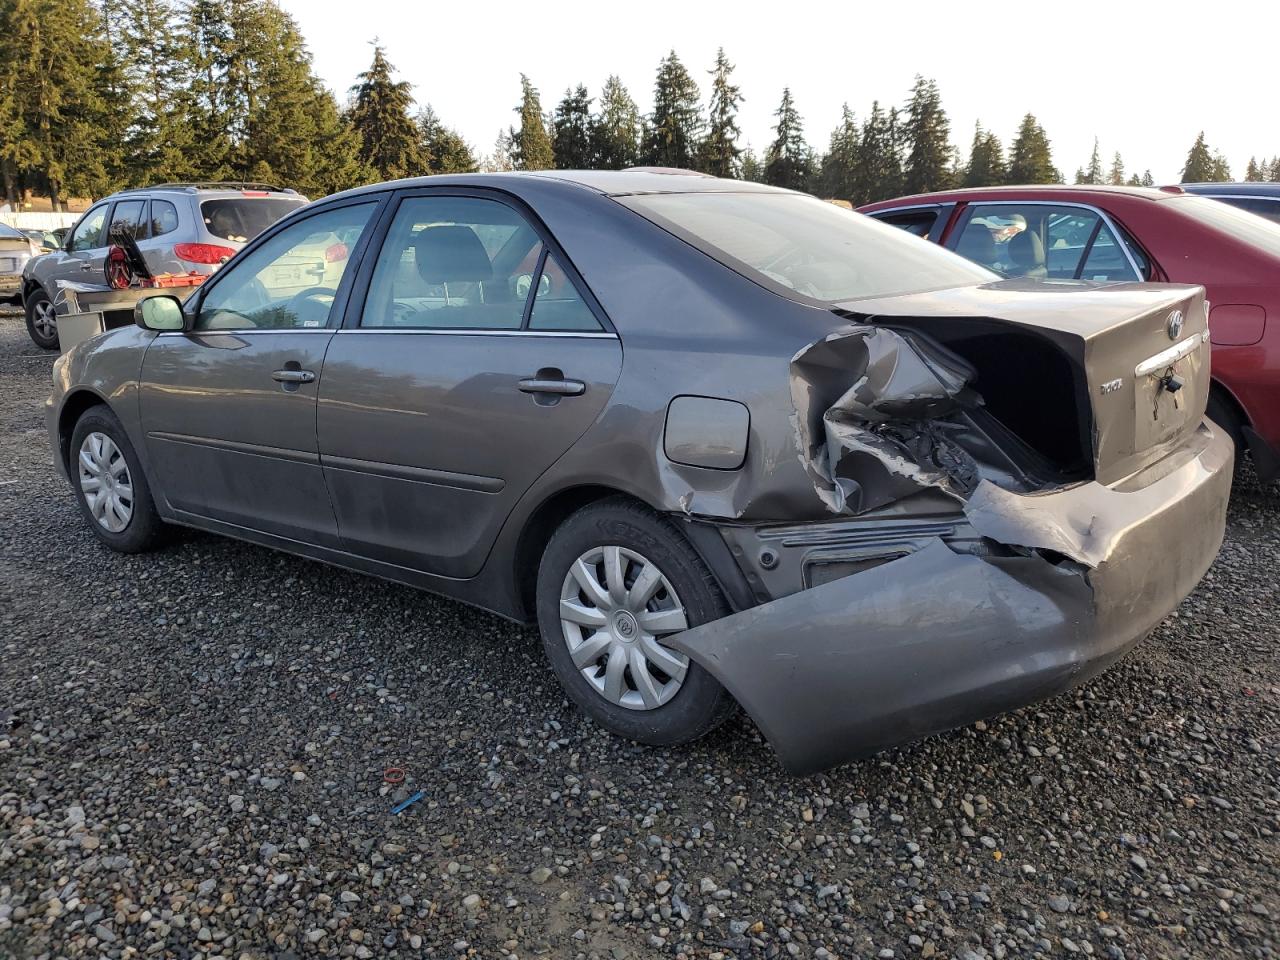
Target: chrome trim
column 936, row 205
column 464, row 332
column 1164, row 358
column 1106, row 218
column 243, row 330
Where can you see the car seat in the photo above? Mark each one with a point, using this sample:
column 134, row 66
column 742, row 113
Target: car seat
column 1026, row 252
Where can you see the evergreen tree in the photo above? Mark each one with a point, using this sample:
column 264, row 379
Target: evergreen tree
column 1148, row 180
column 1199, row 167
column 615, row 130
column 1093, row 173
column 389, row 140
column 1275, row 170
column 787, row 162
column 442, row 147
column 719, row 153
column 208, row 51
column 879, row 171
column 1133, row 181
column 1116, row 176
column 752, row 170
column 1030, row 159
column 986, row 160
column 675, row 127
column 1253, row 173
column 531, row 144
column 1221, row 170
column 499, row 161
column 571, row 131
column 838, row 171
column 928, row 132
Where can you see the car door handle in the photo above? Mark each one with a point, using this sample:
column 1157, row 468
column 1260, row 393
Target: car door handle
column 560, row 388
column 294, row 376
column 86, row 266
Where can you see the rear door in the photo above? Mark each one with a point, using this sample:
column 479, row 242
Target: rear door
column 229, row 408
column 471, row 358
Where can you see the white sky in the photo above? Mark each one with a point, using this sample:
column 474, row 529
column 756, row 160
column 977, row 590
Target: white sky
column 1141, row 77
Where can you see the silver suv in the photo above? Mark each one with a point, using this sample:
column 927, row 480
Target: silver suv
column 179, row 228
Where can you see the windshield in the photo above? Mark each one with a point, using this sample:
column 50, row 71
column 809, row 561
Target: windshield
column 1241, row 224
column 240, row 219
column 805, row 245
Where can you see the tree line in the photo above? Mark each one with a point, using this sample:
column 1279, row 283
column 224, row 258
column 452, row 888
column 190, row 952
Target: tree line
column 95, row 96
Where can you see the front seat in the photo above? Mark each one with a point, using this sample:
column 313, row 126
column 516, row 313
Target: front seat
column 1026, row 252
column 977, row 244
column 453, row 255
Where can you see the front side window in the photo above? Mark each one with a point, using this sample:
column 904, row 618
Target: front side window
column 800, row 245
column 164, row 217
column 1043, row 241
column 291, row 280
column 457, row 263
column 88, row 232
column 128, row 218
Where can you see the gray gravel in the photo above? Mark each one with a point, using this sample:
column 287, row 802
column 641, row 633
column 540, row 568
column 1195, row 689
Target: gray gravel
column 193, row 746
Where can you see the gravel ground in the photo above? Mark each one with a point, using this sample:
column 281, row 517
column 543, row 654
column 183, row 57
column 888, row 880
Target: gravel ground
column 193, row 745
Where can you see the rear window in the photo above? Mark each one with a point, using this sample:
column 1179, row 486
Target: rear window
column 9, row 233
column 242, row 218
column 806, row 246
column 1232, row 220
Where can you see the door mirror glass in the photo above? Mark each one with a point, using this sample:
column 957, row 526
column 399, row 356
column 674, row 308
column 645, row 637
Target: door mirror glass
column 161, row 312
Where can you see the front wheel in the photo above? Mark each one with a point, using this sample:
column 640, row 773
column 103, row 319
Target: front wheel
column 110, row 487
column 615, row 580
column 42, row 320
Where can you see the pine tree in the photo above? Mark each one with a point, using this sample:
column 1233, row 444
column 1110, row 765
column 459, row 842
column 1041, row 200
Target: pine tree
column 718, row 153
column 1199, row 167
column 752, row 169
column 571, row 131
column 1030, row 160
column 1116, row 177
column 443, row 147
column 879, row 171
column 675, row 126
column 787, row 162
column 838, row 172
column 1275, row 170
column 499, row 161
column 1133, row 181
column 615, row 130
column 531, row 144
column 1253, row 171
column 1148, row 180
column 1221, row 170
column 928, row 132
column 207, row 50
column 986, row 160
column 1093, row 173
column 389, row 140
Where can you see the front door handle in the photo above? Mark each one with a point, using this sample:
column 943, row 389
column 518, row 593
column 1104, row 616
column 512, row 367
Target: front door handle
column 294, row 376
column 556, row 387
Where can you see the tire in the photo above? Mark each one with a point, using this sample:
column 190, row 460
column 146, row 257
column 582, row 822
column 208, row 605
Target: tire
column 142, row 529
column 38, row 309
column 1221, row 411
column 652, row 711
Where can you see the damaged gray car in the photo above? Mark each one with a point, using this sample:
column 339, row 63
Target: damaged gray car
column 729, row 446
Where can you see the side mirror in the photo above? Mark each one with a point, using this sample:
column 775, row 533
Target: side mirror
column 160, row 312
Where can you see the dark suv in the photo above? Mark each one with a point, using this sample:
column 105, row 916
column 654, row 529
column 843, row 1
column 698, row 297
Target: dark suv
column 1260, row 198
column 179, row 228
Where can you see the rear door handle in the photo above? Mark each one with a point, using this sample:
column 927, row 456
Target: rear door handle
column 294, row 376
column 560, row 388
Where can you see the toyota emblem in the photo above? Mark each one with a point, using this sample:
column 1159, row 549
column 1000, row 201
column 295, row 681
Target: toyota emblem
column 1173, row 326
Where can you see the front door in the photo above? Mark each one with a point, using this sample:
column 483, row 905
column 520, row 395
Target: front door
column 86, row 252
column 229, row 408
column 475, row 362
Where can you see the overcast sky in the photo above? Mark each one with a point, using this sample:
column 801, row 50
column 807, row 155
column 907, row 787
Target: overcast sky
column 1133, row 74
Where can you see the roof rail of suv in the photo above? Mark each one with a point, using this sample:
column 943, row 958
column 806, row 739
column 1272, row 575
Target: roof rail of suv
column 192, row 187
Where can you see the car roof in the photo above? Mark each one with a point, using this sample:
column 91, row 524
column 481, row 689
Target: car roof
column 1247, row 189
column 612, row 183
column 1012, row 192
column 211, row 189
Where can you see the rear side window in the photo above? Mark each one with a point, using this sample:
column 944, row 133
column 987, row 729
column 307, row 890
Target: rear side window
column 164, row 217
column 557, row 304
column 916, row 222
column 240, row 219
column 800, row 245
column 128, row 217
column 1043, row 242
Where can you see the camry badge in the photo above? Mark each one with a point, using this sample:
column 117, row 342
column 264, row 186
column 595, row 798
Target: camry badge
column 1111, row 386
column 1173, row 326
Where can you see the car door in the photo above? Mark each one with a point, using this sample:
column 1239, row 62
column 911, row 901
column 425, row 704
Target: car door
column 471, row 358
column 229, row 406
column 86, row 251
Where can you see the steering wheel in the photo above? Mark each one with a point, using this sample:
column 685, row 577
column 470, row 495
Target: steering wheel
column 300, row 301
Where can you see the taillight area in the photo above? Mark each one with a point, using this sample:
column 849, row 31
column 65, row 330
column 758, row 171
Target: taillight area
column 203, row 252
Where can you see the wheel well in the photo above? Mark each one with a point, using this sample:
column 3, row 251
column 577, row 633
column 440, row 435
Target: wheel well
column 1228, row 400
column 538, row 530
column 73, row 408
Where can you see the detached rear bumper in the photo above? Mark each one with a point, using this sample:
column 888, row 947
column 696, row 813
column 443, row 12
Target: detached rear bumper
column 939, row 638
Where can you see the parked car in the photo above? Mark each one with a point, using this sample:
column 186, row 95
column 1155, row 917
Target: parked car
column 44, row 239
column 726, row 444
column 179, row 228
column 1260, row 198
column 16, row 249
column 1121, row 234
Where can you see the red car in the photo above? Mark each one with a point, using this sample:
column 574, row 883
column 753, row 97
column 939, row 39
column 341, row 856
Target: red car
column 1135, row 233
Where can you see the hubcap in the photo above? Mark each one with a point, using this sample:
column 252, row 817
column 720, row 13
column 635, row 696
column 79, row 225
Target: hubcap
column 105, row 482
column 615, row 606
column 44, row 319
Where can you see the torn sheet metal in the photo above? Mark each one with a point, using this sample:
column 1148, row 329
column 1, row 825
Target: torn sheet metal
column 880, row 439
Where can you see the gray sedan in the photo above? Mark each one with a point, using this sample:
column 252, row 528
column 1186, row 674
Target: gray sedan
column 729, row 446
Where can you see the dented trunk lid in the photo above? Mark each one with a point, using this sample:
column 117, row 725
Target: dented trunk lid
column 1140, row 353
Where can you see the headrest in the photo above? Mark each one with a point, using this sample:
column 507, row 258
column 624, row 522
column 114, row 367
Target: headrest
column 977, row 243
column 1026, row 250
column 451, row 254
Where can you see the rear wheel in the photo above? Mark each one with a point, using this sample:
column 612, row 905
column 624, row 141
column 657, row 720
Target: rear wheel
column 615, row 580
column 42, row 321
column 110, row 487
